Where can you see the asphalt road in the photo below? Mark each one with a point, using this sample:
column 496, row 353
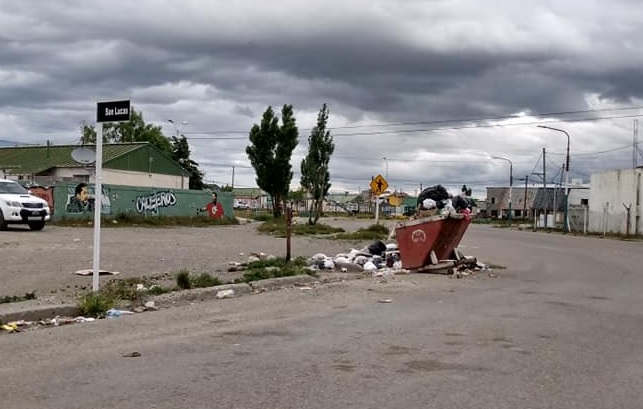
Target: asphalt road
column 561, row 327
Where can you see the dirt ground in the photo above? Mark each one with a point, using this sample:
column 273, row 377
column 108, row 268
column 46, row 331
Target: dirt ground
column 45, row 261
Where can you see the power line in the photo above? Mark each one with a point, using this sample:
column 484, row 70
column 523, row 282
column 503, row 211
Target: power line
column 406, row 131
column 444, row 121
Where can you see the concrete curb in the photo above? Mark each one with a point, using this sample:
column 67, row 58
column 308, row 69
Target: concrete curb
column 200, row 294
column 17, row 311
column 37, row 313
column 282, row 282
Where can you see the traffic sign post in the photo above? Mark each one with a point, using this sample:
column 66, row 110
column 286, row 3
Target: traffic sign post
column 111, row 111
column 378, row 186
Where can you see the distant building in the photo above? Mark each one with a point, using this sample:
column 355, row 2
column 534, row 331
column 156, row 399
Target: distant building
column 126, row 164
column 611, row 194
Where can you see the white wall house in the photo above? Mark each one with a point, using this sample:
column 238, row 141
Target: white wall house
column 611, row 192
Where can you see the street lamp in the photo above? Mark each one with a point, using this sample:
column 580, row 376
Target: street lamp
column 511, row 181
column 386, row 174
column 566, row 221
column 177, row 128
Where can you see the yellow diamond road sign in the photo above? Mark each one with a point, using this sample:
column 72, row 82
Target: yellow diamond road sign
column 379, row 185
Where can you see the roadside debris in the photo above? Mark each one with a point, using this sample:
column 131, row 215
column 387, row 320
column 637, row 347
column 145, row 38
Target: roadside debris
column 134, row 354
column 377, row 259
column 90, row 271
column 114, row 313
column 471, row 270
column 225, row 294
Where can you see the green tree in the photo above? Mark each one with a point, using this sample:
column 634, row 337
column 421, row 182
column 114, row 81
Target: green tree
column 315, row 177
column 270, row 151
column 181, row 154
column 134, row 130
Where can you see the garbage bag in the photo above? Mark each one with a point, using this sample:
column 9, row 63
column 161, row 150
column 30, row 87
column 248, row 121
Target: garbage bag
column 460, row 203
column 377, row 248
column 437, row 193
column 428, row 204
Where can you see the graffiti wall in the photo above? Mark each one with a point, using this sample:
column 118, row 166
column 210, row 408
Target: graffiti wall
column 77, row 200
column 45, row 193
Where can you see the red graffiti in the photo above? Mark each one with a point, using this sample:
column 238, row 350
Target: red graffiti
column 45, row 194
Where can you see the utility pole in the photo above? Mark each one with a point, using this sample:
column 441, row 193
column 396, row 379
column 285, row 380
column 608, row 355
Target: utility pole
column 565, row 221
column 545, row 185
column 233, row 177
column 524, row 203
column 635, row 143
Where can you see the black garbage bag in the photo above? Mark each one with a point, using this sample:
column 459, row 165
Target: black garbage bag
column 460, row 203
column 437, row 193
column 377, row 248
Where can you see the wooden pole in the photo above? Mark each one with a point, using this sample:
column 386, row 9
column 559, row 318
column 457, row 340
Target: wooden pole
column 288, row 230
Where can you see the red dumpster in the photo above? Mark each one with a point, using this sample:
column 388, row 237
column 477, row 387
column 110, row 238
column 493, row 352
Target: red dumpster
column 454, row 228
column 440, row 235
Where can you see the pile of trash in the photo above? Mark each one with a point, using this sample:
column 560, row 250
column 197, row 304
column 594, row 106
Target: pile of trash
column 377, row 258
column 437, row 200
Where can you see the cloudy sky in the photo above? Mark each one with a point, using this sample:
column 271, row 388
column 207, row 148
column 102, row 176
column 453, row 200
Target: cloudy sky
column 437, row 87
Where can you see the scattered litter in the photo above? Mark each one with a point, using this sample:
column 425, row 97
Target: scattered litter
column 132, row 355
column 10, row 327
column 76, row 240
column 221, row 294
column 150, row 305
column 113, row 313
column 305, row 288
column 140, row 287
column 385, row 301
column 89, row 272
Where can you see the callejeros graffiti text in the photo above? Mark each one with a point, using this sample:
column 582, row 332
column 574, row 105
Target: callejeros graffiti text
column 154, row 201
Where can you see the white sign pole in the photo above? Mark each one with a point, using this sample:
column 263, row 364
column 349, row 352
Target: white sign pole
column 377, row 209
column 98, row 189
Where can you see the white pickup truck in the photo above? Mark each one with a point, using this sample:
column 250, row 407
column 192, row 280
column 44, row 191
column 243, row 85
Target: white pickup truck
column 18, row 206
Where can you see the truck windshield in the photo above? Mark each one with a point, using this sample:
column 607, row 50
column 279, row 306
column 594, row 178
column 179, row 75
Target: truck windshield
column 13, row 188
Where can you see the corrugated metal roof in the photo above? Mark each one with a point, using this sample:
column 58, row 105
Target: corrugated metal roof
column 27, row 160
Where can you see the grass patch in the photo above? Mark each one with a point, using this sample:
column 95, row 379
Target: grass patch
column 96, row 304
column 263, row 269
column 277, row 227
column 372, row 232
column 130, row 219
column 17, row 298
column 185, row 281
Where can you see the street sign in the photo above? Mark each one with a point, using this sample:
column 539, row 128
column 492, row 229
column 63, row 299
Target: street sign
column 379, row 185
column 113, row 111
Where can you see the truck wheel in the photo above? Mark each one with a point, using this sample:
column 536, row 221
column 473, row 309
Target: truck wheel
column 3, row 224
column 37, row 226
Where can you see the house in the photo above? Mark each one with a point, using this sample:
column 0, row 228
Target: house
column 530, row 202
column 522, row 199
column 126, row 164
column 340, row 202
column 251, row 197
column 615, row 199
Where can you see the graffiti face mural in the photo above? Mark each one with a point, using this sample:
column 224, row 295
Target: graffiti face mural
column 154, row 201
column 214, row 208
column 80, row 199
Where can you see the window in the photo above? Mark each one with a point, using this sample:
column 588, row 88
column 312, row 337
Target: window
column 493, row 200
column 494, row 213
column 81, row 178
column 518, row 213
column 584, row 202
